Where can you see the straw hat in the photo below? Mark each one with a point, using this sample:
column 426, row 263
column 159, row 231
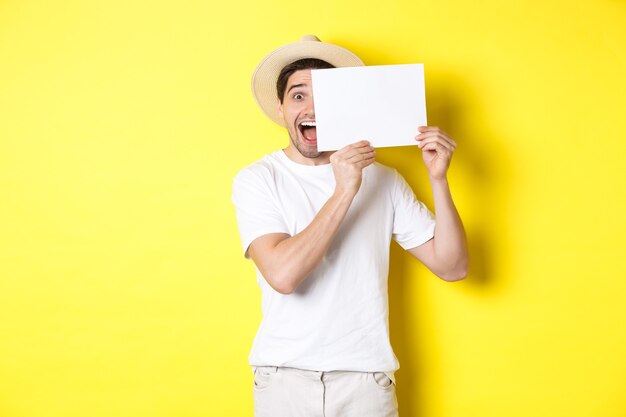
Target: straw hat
column 266, row 73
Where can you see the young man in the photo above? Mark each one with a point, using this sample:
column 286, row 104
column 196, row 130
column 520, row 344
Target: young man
column 318, row 226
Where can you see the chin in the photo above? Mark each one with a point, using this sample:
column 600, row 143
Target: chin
column 310, row 155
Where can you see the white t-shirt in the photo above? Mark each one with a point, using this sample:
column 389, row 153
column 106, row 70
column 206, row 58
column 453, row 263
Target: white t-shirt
column 337, row 319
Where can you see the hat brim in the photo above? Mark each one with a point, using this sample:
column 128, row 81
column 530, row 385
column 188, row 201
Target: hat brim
column 266, row 73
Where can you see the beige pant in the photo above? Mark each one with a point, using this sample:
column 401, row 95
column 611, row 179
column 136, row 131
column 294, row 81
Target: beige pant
column 291, row 392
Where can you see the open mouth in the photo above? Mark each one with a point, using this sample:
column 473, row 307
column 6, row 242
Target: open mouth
column 308, row 129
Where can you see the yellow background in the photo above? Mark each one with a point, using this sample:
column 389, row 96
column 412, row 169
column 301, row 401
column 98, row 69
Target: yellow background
column 123, row 290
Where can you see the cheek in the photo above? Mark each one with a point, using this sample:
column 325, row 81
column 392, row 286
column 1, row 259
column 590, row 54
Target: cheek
column 293, row 112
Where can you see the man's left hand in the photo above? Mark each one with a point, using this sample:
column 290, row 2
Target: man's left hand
column 437, row 149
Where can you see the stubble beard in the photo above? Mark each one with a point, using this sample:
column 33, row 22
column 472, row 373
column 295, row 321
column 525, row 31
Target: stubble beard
column 306, row 151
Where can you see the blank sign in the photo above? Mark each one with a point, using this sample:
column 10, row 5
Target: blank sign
column 382, row 104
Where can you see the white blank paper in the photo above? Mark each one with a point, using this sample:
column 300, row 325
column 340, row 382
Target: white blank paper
column 382, row 104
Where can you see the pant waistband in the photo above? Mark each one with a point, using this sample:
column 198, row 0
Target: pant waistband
column 309, row 373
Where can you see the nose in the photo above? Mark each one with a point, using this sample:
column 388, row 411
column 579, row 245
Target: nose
column 310, row 107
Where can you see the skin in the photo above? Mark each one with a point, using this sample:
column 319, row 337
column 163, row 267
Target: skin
column 296, row 107
column 286, row 261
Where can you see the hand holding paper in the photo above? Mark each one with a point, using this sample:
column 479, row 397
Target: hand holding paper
column 348, row 164
column 437, row 149
column 381, row 104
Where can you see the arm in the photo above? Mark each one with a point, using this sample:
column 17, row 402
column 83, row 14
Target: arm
column 286, row 261
column 446, row 254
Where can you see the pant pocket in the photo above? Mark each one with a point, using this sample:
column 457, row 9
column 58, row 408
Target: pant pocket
column 382, row 380
column 264, row 376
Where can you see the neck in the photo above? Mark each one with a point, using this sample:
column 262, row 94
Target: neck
column 295, row 155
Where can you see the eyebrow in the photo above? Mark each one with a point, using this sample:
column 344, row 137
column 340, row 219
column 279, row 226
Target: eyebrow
column 295, row 86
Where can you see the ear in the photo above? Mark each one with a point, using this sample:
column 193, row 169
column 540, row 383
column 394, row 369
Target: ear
column 280, row 108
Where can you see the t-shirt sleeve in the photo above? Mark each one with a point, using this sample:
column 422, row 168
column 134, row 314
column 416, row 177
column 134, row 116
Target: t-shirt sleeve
column 413, row 223
column 255, row 207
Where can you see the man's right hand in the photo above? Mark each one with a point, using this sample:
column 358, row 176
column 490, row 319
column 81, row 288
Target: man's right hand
column 348, row 164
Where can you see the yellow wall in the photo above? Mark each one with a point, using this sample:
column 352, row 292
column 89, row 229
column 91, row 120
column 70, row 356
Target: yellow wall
column 123, row 291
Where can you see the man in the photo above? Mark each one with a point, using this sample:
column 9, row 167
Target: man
column 318, row 226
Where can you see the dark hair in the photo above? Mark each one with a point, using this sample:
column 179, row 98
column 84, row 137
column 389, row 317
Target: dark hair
column 301, row 64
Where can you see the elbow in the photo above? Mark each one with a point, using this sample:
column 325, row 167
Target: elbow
column 454, row 276
column 456, row 273
column 281, row 284
column 284, row 289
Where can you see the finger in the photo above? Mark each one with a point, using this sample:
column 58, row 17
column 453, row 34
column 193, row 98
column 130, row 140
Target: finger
column 421, row 137
column 447, row 143
column 349, row 149
column 355, row 145
column 361, row 155
column 352, row 152
column 441, row 134
column 437, row 147
column 366, row 162
column 433, row 129
column 422, row 144
column 423, row 129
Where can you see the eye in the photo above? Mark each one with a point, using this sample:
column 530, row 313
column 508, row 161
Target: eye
column 298, row 96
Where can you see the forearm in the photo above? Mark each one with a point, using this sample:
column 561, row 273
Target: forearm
column 450, row 245
column 285, row 261
column 293, row 259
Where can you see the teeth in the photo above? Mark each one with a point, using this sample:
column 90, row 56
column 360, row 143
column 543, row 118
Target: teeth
column 310, row 124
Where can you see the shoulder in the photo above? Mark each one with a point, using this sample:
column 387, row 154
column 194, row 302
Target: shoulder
column 381, row 172
column 258, row 172
column 389, row 179
column 381, row 180
column 383, row 169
